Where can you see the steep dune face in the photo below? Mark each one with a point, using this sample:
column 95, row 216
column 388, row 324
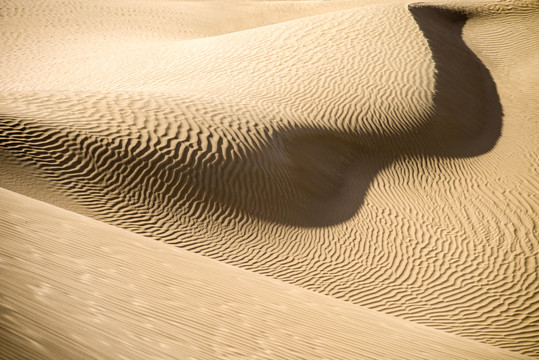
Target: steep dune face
column 377, row 154
column 280, row 89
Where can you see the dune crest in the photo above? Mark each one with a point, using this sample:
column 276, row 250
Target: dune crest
column 381, row 153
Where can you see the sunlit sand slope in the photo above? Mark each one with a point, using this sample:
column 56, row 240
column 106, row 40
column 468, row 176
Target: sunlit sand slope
column 56, row 31
column 76, row 288
column 386, row 155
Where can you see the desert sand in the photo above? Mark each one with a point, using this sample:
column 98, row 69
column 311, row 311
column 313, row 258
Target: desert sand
column 279, row 179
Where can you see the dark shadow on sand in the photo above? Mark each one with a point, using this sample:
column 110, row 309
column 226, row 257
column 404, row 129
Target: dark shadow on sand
column 303, row 176
column 330, row 172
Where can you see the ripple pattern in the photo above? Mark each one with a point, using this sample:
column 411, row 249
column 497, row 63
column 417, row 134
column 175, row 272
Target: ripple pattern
column 363, row 164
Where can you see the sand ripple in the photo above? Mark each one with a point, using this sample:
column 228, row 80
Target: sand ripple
column 358, row 153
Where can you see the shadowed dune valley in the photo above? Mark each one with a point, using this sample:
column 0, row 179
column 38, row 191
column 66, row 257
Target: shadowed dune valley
column 242, row 179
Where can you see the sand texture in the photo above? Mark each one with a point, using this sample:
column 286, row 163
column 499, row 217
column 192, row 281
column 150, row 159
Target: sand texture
column 179, row 304
column 279, row 179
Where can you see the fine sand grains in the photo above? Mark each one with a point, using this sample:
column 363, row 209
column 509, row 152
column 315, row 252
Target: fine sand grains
column 77, row 288
column 384, row 154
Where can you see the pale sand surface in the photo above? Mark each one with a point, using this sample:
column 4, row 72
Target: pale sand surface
column 384, row 153
column 75, row 288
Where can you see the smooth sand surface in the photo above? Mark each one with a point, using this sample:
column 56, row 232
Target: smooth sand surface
column 75, row 288
column 381, row 153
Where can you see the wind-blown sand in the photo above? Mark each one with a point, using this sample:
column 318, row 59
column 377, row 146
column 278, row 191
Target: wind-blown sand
column 382, row 154
column 119, row 294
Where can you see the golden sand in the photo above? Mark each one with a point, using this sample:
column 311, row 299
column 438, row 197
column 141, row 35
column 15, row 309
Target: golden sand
column 358, row 179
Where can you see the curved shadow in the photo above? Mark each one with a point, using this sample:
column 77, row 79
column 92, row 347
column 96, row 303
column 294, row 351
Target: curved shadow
column 308, row 177
column 468, row 113
column 328, row 173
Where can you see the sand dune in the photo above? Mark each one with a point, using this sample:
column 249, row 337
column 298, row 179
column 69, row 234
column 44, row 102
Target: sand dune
column 100, row 302
column 384, row 153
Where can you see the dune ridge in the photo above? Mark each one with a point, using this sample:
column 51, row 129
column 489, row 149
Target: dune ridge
column 383, row 154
